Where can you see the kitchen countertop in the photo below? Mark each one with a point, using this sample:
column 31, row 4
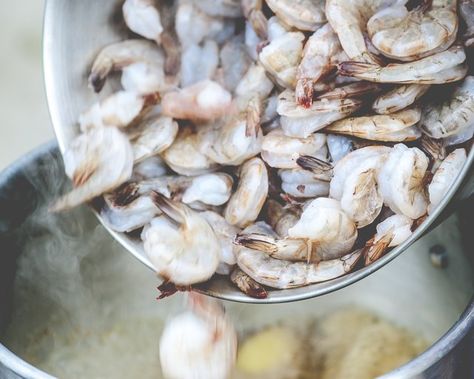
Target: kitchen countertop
column 25, row 118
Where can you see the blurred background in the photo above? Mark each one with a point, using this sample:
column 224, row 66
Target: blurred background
column 25, row 118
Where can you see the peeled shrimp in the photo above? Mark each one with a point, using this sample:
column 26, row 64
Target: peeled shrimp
column 181, row 244
column 444, row 67
column 281, row 151
column 205, row 100
column 396, row 127
column 119, row 109
column 254, row 84
column 401, row 181
column 152, row 167
column 282, row 56
column 410, row 35
column 145, row 78
column 444, row 177
column 143, row 18
column 301, row 183
column 245, row 204
column 391, row 232
column 318, row 59
column 154, row 136
column 297, row 121
column 338, row 146
column 200, row 343
column 234, row 62
column 184, row 155
column 211, row 189
column 96, row 162
column 349, row 19
column 399, row 98
column 451, row 116
column 199, row 62
column 122, row 54
column 252, row 10
column 281, row 218
column 300, row 14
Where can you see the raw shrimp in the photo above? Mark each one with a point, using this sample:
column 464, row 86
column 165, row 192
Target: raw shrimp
column 184, row 155
column 283, row 274
column 318, row 60
column 410, row 35
column 254, row 84
column 451, row 116
column 445, row 176
column 224, row 8
column 252, row 41
column 466, row 9
column 391, row 232
column 349, row 19
column 338, row 146
column 401, row 181
column 297, row 121
column 399, row 98
column 461, row 136
column 143, row 18
column 211, row 189
column 225, row 234
column 281, row 151
column 247, row 285
column 199, row 63
column 301, row 14
column 128, row 217
column 180, row 244
column 119, row 109
column 276, row 28
column 245, row 204
column 234, row 62
column 282, row 56
column 145, row 78
column 356, row 89
column 194, row 26
column 396, row 127
column 153, row 137
column 445, row 67
column 125, row 53
column 252, row 10
column 152, row 167
column 96, row 162
column 301, row 183
column 281, row 218
column 205, row 100
column 200, row 343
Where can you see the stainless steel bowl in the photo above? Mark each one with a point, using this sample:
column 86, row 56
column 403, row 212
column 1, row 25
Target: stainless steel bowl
column 74, row 32
column 433, row 301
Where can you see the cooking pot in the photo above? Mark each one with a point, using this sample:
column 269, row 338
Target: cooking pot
column 74, row 32
column 427, row 289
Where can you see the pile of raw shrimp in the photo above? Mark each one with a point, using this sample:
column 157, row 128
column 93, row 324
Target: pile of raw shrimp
column 281, row 143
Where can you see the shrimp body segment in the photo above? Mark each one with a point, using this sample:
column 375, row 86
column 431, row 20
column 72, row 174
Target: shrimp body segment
column 399, row 98
column 302, row 14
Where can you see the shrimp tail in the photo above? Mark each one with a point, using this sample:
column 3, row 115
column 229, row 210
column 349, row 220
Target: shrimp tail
column 168, row 289
column 304, row 92
column 247, row 285
column 313, row 164
column 374, row 250
column 352, row 68
column 125, row 194
column 173, row 210
column 97, row 80
column 433, row 147
column 257, row 241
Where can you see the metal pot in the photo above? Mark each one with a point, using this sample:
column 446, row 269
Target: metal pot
column 74, row 32
column 434, row 301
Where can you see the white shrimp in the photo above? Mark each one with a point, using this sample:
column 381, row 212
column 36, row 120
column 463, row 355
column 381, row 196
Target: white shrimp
column 153, row 137
column 338, row 146
column 396, row 127
column 145, row 78
column 410, row 35
column 399, row 98
column 119, row 109
column 281, row 218
column 283, row 274
column 212, row 189
column 319, row 53
column 282, row 56
column 181, row 244
column 143, row 18
column 129, row 216
column 97, row 162
column 199, row 62
column 354, row 89
column 301, row 183
column 276, row 28
column 252, row 10
column 119, row 55
column 254, row 84
column 298, row 121
column 349, row 19
column 281, row 151
column 391, row 232
column 301, row 14
column 224, row 8
column 226, row 233
column 194, row 26
column 252, row 41
column 247, row 285
column 234, row 62
column 152, row 167
column 184, row 155
column 200, row 343
column 245, row 204
column 451, row 116
column 205, row 100
column 445, row 67
column 444, row 177
column 401, row 181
